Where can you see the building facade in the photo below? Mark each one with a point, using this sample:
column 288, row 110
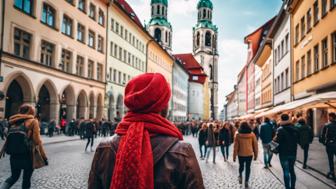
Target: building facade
column 180, row 92
column 205, row 35
column 232, row 104
column 127, row 48
column 280, row 35
column 314, row 53
column 241, row 92
column 54, row 58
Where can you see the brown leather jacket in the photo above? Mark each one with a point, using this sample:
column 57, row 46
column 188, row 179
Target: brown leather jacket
column 175, row 164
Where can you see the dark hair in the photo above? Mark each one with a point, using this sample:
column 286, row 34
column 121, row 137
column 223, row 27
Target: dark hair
column 244, row 128
column 302, row 122
column 332, row 115
column 284, row 117
column 266, row 119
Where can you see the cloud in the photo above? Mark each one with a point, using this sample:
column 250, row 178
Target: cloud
column 182, row 7
column 182, row 40
column 231, row 60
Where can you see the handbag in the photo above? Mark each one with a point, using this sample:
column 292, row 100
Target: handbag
column 274, row 147
column 38, row 160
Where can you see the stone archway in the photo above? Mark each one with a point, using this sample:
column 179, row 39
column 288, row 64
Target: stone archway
column 47, row 103
column 67, row 106
column 92, row 107
column 82, row 104
column 110, row 109
column 119, row 107
column 100, row 107
column 18, row 91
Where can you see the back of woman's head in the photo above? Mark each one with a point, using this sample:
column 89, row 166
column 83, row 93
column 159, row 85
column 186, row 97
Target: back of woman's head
column 302, row 122
column 27, row 109
column 244, row 128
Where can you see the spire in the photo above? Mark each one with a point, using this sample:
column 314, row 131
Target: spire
column 205, row 4
column 205, row 8
column 165, row 2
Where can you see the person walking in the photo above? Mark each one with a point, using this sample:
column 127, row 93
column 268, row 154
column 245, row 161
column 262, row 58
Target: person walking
column 211, row 143
column 89, row 134
column 202, row 137
column 225, row 140
column 246, row 148
column 266, row 136
column 51, row 128
column 329, row 140
column 306, row 137
column 24, row 129
column 146, row 152
column 287, row 138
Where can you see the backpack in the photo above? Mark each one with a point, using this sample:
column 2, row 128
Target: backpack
column 18, row 142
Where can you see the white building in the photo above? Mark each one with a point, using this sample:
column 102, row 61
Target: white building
column 280, row 32
column 126, row 54
column 232, row 105
column 180, row 94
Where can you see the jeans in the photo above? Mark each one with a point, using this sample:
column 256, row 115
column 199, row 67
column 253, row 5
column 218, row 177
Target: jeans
column 245, row 161
column 331, row 151
column 305, row 154
column 17, row 165
column 205, row 149
column 89, row 139
column 267, row 154
column 225, row 151
column 214, row 153
column 287, row 164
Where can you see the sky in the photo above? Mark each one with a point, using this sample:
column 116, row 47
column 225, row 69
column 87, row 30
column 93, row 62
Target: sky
column 235, row 19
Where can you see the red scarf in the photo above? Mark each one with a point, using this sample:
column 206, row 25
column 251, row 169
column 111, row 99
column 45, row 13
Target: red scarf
column 134, row 165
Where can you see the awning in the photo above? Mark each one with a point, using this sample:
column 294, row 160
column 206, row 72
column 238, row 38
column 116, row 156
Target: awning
column 247, row 116
column 322, row 100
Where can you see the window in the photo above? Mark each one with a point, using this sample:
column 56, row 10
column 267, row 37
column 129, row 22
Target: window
column 117, row 28
column 66, row 60
column 334, row 47
column 282, row 87
column 208, row 39
column 282, row 48
column 47, row 53
column 92, row 11
column 287, row 42
column 119, row 77
column 80, row 32
column 129, row 58
column 112, row 24
column 287, row 78
column 110, row 73
column 303, row 67
column 303, row 27
column 276, row 57
column 125, row 56
column 124, row 79
column 309, row 17
column 101, row 17
column 157, row 34
column 297, row 32
column 316, row 12
column 82, row 5
column 100, row 44
column 324, row 8
column 91, row 41
column 90, row 69
column 67, row 26
column 111, row 48
column 309, row 66
column 114, row 75
column 48, row 15
column 22, row 42
column 25, row 6
column 120, row 53
column 115, row 52
column 126, row 34
column 316, row 58
column 99, row 72
column 325, row 52
column 80, row 66
column 297, row 70
column 121, row 31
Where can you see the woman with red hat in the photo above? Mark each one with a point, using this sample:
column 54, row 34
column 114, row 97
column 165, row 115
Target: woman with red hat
column 147, row 151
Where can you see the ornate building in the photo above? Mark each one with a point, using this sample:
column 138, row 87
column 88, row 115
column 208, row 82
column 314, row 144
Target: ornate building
column 205, row 51
column 158, row 26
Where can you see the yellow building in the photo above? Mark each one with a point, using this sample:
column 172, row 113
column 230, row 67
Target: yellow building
column 314, row 53
column 54, row 57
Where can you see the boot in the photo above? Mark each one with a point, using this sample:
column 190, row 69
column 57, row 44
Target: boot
column 4, row 185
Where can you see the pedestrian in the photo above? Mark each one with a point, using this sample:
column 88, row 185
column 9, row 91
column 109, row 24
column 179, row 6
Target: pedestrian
column 305, row 139
column 89, row 134
column 82, row 126
column 287, row 138
column 105, row 126
column 24, row 130
column 329, row 140
column 162, row 160
column 255, row 128
column 202, row 137
column 225, row 140
column 51, row 128
column 266, row 136
column 3, row 127
column 246, row 148
column 63, row 125
column 211, row 143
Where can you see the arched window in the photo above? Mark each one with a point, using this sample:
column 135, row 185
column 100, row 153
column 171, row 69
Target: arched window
column 166, row 37
column 211, row 72
column 157, row 34
column 208, row 14
column 208, row 39
column 170, row 38
column 163, row 11
column 198, row 39
column 152, row 10
column 204, row 13
column 158, row 9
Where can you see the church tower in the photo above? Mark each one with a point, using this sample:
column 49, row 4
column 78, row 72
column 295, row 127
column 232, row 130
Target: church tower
column 158, row 26
column 205, row 51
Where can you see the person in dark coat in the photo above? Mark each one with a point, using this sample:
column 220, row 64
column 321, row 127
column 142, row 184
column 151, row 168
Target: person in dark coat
column 89, row 134
column 225, row 140
column 202, row 137
column 211, row 143
column 51, row 128
column 266, row 136
column 305, row 139
column 82, row 125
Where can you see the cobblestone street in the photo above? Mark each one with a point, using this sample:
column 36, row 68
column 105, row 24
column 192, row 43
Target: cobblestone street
column 69, row 167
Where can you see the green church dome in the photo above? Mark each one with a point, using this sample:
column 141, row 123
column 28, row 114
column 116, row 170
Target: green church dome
column 204, row 4
column 159, row 22
column 165, row 2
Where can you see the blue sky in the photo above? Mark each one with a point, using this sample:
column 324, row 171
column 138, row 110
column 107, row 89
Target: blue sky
column 234, row 18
